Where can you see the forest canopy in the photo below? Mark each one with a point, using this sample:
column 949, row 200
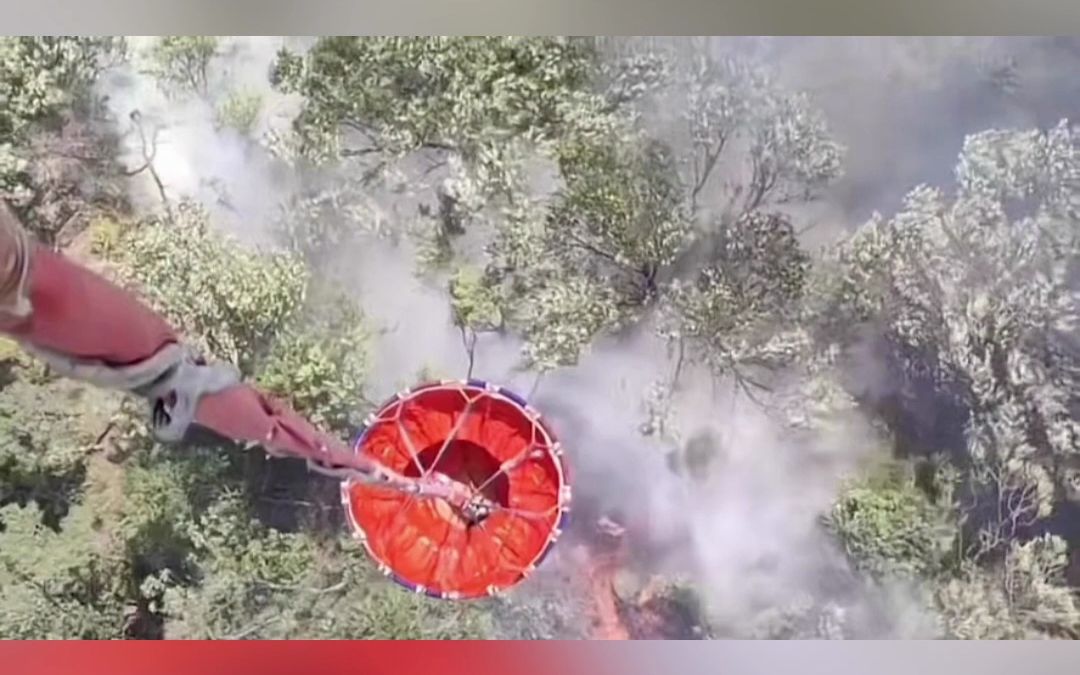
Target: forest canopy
column 559, row 195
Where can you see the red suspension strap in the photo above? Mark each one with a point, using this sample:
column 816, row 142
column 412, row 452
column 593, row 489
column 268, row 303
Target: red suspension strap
column 91, row 329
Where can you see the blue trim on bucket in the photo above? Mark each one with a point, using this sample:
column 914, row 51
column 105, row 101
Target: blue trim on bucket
column 564, row 520
column 435, row 595
column 564, row 467
column 513, row 397
column 479, row 384
column 358, row 437
column 544, row 554
column 400, row 581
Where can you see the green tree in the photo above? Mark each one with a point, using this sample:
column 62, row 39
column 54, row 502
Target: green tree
column 231, row 301
column 48, row 429
column 261, row 584
column 320, row 364
column 182, row 62
column 890, row 529
column 41, row 77
column 51, row 161
column 397, row 95
column 744, row 142
column 597, row 255
column 476, row 307
column 618, row 214
column 1022, row 598
column 240, row 112
column 970, row 296
column 742, row 312
column 627, row 223
column 58, row 584
column 473, row 110
column 973, row 293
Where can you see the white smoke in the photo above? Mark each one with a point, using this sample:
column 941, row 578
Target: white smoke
column 414, row 322
column 236, row 179
column 747, row 532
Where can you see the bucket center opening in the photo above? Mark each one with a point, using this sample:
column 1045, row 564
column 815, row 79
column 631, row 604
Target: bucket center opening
column 468, row 463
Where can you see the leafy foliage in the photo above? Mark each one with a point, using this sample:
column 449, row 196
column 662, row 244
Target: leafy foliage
column 618, row 215
column 402, row 94
column 733, row 316
column 46, row 433
column 182, row 62
column 319, row 366
column 889, row 528
column 230, row 301
column 560, row 321
column 262, row 584
column 240, row 112
column 58, row 585
column 48, row 157
column 164, row 496
column 597, row 255
column 974, row 294
column 747, row 143
column 42, row 76
column 475, row 304
column 1022, row 599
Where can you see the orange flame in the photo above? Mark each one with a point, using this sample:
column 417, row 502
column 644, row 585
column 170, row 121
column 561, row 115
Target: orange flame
column 604, row 557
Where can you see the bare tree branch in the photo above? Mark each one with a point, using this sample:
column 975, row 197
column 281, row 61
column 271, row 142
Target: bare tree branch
column 149, row 152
